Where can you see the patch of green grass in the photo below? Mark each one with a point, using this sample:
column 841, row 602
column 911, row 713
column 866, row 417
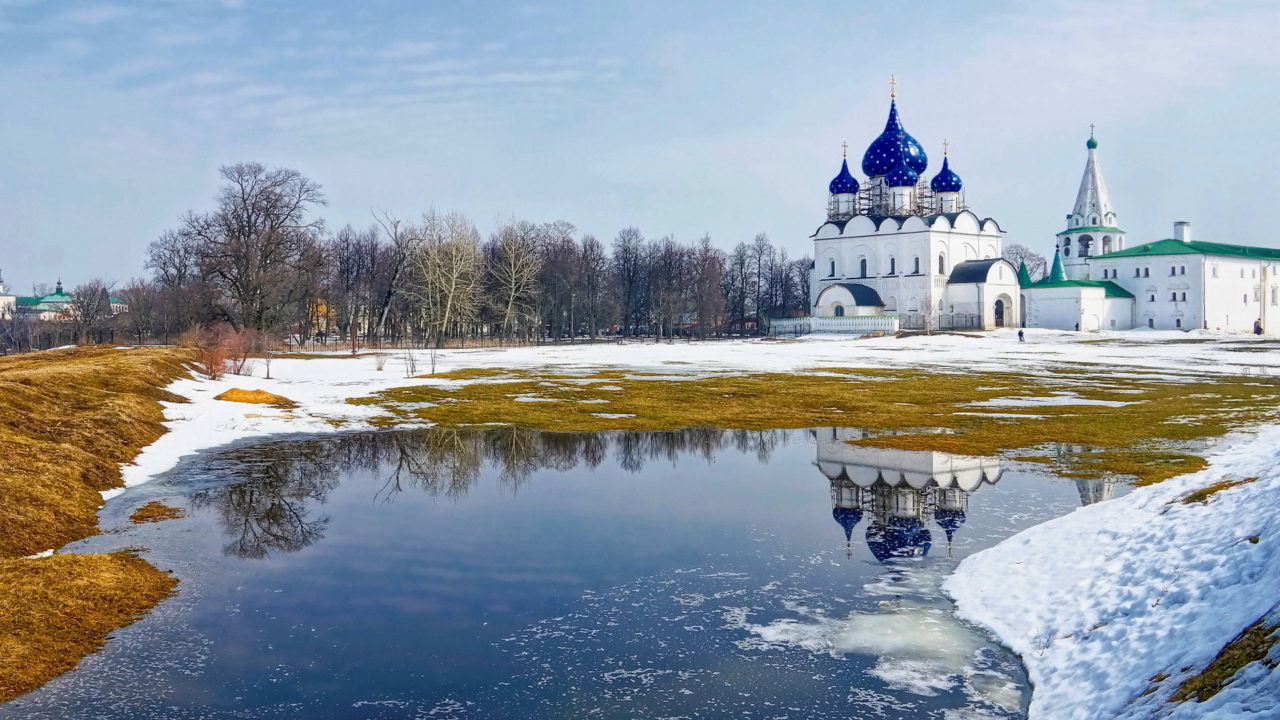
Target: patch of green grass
column 904, row 409
column 1252, row 645
column 1204, row 493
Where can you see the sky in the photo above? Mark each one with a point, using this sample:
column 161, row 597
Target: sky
column 674, row 117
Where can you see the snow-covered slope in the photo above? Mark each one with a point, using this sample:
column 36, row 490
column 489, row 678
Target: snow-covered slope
column 1100, row 601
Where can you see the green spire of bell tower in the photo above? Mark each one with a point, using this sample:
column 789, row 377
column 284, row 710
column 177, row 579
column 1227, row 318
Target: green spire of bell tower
column 1024, row 277
column 1056, row 274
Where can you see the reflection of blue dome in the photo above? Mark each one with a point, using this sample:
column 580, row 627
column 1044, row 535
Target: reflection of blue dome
column 844, row 182
column 848, row 518
column 902, row 538
column 946, row 180
column 949, row 520
column 902, row 175
column 882, row 156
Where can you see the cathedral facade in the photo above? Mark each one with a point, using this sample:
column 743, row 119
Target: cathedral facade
column 896, row 244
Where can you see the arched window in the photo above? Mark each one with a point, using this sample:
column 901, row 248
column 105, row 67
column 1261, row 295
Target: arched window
column 1184, row 297
column 915, row 266
column 942, row 265
column 1066, row 252
column 893, row 265
column 862, row 267
column 833, row 269
column 839, row 311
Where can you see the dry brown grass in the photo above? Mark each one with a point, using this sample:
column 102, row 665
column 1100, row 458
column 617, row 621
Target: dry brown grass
column 56, row 610
column 905, row 409
column 1204, row 493
column 256, row 397
column 1252, row 645
column 155, row 511
column 68, row 418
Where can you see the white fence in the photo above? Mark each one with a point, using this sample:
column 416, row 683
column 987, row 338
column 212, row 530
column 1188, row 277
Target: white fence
column 848, row 325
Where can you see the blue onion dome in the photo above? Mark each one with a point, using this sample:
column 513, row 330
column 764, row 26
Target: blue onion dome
column 882, row 156
column 949, row 520
column 844, row 183
column 901, row 538
column 902, row 175
column 946, row 180
column 848, row 519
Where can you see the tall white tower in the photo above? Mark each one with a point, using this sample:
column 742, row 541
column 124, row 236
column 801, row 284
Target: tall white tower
column 1091, row 226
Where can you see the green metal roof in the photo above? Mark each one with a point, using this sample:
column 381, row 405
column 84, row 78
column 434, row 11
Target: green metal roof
column 1195, row 247
column 1109, row 288
column 1091, row 229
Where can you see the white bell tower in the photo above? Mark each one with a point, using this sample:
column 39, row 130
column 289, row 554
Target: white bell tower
column 1091, row 226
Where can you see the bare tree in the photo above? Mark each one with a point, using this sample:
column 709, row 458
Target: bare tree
column 513, row 263
column 594, row 275
column 89, row 308
column 1018, row 254
column 706, row 275
column 447, row 274
column 403, row 239
column 629, row 277
column 141, row 296
column 255, row 247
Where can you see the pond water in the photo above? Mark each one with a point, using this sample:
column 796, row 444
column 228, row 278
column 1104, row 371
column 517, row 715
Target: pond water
column 506, row 573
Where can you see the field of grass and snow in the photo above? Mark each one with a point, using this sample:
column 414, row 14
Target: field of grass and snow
column 1097, row 603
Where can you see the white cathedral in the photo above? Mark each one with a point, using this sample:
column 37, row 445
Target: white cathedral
column 896, row 245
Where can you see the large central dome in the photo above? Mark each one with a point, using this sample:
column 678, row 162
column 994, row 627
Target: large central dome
column 883, row 155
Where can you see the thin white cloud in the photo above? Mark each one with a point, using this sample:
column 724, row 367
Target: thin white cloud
column 409, row 50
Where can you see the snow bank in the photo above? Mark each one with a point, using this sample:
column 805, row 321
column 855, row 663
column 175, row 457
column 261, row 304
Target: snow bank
column 1100, row 601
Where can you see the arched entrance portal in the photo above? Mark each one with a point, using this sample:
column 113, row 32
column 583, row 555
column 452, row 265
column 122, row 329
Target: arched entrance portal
column 999, row 313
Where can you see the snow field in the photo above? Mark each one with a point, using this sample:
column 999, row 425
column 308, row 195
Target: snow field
column 1100, row 601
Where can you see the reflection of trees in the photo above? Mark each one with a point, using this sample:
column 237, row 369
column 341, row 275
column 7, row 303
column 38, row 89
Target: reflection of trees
column 266, row 494
column 271, row 509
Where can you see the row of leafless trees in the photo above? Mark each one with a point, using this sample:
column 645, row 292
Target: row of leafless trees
column 263, row 260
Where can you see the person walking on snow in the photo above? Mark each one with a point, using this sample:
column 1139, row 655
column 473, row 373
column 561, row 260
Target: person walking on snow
column 1020, row 337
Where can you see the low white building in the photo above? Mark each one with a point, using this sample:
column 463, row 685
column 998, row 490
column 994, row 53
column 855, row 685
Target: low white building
column 898, row 245
column 8, row 302
column 1172, row 284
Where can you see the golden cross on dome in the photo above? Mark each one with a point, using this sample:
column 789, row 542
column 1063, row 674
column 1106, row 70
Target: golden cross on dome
column 945, row 144
column 1090, row 129
column 845, row 147
column 893, row 86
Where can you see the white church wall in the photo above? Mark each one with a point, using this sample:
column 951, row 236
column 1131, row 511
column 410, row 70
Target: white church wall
column 1233, row 294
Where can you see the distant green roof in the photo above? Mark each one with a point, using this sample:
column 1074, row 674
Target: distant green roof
column 1109, row 288
column 1195, row 247
column 1091, row 229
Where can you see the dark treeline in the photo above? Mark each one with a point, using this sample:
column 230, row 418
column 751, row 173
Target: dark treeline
column 263, row 260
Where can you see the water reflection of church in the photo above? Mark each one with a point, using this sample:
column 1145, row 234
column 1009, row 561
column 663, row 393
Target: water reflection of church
column 900, row 492
column 903, row 492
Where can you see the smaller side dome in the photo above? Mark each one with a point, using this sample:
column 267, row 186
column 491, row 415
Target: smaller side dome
column 1092, row 144
column 844, row 183
column 902, row 175
column 848, row 519
column 946, row 180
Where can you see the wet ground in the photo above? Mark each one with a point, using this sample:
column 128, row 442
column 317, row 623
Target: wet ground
column 507, row 573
